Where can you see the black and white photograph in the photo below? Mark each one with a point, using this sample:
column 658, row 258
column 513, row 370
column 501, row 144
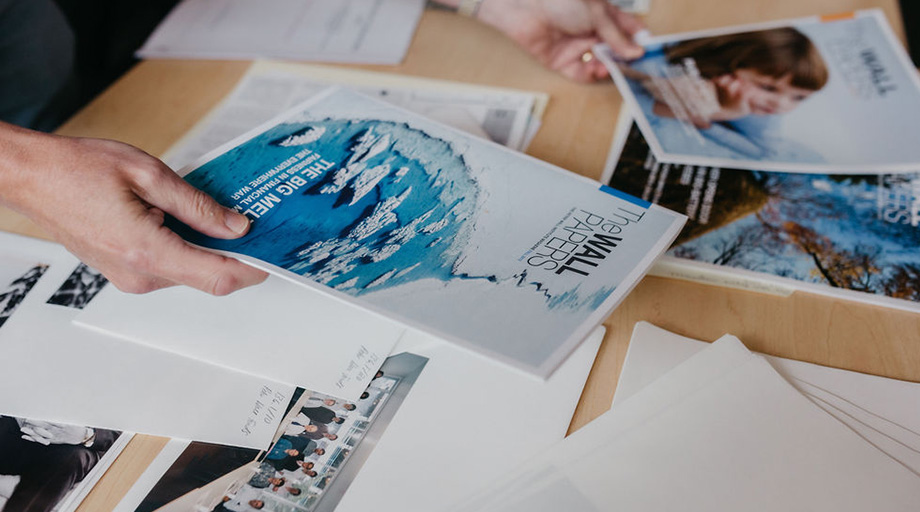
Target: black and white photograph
column 16, row 280
column 80, row 287
column 47, row 466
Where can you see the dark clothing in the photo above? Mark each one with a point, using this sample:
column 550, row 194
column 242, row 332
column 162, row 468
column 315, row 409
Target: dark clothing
column 319, row 414
column 46, row 473
column 36, row 58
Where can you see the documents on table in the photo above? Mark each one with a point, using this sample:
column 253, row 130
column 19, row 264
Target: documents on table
column 720, row 429
column 52, row 370
column 885, row 412
column 356, row 31
column 507, row 116
column 405, row 453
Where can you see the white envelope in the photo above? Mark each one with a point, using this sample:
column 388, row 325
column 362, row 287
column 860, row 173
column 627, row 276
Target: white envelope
column 885, row 412
column 52, row 370
column 722, row 431
column 276, row 330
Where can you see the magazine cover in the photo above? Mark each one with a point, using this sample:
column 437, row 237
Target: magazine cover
column 463, row 238
column 825, row 95
column 47, row 466
column 852, row 236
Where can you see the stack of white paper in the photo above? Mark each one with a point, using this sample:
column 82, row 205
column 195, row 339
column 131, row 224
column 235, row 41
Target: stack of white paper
column 722, row 429
column 359, row 31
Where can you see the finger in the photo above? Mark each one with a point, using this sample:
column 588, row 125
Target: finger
column 611, row 33
column 569, row 59
column 167, row 191
column 212, row 273
column 626, row 21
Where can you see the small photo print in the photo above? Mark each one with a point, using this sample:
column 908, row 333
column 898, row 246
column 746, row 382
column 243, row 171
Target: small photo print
column 47, row 466
column 79, row 289
column 319, row 448
column 14, row 289
column 809, row 95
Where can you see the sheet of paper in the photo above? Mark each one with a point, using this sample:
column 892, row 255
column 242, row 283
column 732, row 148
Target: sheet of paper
column 55, row 371
column 276, row 330
column 506, row 116
column 779, row 232
column 885, row 412
column 432, row 227
column 27, row 444
column 413, row 464
column 836, row 94
column 355, row 31
column 713, row 448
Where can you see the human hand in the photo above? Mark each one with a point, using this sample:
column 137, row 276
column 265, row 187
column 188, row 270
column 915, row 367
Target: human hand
column 106, row 202
column 46, row 433
column 560, row 33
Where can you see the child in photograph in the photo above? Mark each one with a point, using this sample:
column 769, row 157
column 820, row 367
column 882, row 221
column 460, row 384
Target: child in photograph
column 732, row 88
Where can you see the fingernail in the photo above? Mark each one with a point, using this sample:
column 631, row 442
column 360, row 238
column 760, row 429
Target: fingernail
column 237, row 223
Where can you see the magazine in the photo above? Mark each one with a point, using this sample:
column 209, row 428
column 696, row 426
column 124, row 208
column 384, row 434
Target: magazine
column 850, row 236
column 835, row 94
column 424, row 433
column 445, row 232
column 47, row 466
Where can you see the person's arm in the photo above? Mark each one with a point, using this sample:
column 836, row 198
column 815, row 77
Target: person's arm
column 106, row 202
column 560, row 33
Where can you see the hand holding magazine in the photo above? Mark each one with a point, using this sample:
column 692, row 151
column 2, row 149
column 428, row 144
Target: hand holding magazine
column 459, row 237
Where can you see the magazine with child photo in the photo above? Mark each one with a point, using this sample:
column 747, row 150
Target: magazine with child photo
column 832, row 94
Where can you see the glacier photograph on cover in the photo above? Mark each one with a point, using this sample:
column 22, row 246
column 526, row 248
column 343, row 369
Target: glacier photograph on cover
column 837, row 234
column 836, row 94
column 466, row 239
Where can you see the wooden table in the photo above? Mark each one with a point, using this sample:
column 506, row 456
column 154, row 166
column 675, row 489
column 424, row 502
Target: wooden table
column 155, row 103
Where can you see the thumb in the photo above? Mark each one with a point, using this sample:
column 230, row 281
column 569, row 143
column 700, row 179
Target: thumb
column 170, row 193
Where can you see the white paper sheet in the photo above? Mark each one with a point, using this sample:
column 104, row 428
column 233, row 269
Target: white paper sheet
column 507, row 116
column 357, row 31
column 721, row 431
column 885, row 412
column 276, row 330
column 464, row 412
column 55, row 371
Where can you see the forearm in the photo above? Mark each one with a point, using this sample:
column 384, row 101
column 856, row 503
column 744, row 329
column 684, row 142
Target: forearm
column 18, row 150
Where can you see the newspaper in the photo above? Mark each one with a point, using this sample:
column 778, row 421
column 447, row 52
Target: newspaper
column 508, row 117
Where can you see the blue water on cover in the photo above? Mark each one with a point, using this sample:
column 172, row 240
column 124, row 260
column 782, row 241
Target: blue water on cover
column 413, row 223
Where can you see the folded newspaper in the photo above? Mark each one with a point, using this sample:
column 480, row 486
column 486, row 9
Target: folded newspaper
column 448, row 233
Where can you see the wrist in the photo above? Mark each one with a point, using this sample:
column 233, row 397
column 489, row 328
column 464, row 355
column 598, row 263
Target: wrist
column 19, row 150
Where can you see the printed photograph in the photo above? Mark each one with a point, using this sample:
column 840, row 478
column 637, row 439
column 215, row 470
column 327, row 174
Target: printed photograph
column 318, row 450
column 48, row 466
column 79, row 289
column 814, row 95
column 16, row 280
column 852, row 232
